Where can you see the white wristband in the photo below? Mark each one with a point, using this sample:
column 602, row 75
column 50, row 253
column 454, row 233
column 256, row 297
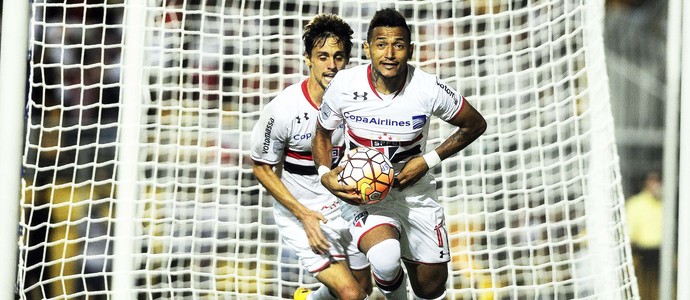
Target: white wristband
column 432, row 159
column 323, row 170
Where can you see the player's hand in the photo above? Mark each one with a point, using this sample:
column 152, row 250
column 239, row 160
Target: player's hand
column 312, row 220
column 411, row 173
column 347, row 193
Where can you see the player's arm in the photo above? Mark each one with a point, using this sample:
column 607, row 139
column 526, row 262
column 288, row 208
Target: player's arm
column 311, row 220
column 321, row 150
column 471, row 125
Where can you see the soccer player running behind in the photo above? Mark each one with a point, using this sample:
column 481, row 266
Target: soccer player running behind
column 308, row 215
column 387, row 104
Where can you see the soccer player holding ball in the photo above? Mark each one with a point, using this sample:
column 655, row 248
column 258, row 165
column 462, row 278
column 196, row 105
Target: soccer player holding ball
column 308, row 215
column 387, row 105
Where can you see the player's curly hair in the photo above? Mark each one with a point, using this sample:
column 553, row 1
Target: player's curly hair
column 323, row 26
column 389, row 17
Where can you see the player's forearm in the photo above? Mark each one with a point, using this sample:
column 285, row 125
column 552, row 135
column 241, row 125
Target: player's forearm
column 460, row 139
column 471, row 124
column 272, row 183
column 321, row 147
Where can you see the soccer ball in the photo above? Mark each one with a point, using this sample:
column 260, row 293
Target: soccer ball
column 370, row 171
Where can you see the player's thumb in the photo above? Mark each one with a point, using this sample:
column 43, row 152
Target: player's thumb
column 337, row 169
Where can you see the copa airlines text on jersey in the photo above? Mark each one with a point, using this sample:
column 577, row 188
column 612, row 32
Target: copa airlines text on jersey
column 377, row 121
column 302, row 136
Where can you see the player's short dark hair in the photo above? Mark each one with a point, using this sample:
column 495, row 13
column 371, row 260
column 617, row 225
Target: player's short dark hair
column 323, row 26
column 389, row 17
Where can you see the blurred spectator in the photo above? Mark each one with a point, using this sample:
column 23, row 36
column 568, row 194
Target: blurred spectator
column 645, row 223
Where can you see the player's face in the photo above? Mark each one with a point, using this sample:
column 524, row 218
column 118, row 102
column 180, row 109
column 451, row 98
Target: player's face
column 326, row 60
column 388, row 50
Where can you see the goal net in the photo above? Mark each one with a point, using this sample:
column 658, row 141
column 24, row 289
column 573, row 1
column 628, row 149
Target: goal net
column 137, row 182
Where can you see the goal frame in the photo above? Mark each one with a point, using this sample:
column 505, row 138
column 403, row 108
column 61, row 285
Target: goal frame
column 135, row 17
column 13, row 57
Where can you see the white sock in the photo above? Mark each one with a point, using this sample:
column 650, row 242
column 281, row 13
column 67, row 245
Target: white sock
column 389, row 276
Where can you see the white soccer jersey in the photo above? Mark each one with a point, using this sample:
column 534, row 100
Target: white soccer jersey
column 283, row 134
column 395, row 124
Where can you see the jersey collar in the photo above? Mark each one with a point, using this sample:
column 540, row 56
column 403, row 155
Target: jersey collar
column 305, row 91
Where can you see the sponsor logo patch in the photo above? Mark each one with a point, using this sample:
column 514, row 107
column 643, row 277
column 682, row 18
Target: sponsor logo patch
column 418, row 121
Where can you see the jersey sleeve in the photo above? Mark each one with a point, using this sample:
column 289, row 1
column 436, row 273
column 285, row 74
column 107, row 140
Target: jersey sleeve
column 269, row 137
column 448, row 102
column 329, row 113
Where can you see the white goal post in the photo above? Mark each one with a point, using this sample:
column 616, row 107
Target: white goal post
column 13, row 87
column 138, row 183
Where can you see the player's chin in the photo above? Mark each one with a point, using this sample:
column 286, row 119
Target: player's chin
column 389, row 73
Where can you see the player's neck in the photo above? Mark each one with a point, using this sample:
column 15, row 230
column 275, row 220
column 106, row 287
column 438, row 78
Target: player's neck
column 388, row 85
column 315, row 91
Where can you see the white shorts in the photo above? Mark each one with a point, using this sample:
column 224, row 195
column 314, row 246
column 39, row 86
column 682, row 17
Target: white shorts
column 415, row 213
column 336, row 231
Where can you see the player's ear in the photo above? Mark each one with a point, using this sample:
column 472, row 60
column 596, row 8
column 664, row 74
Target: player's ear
column 410, row 52
column 307, row 60
column 366, row 50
